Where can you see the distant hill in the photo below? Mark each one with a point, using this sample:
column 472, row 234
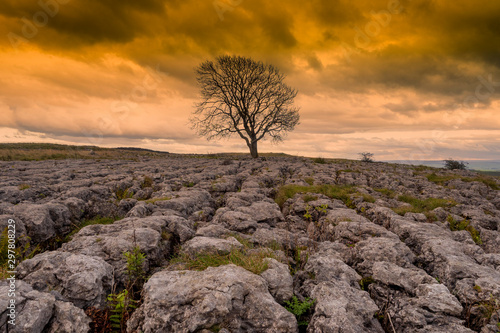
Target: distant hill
column 483, row 166
column 51, row 151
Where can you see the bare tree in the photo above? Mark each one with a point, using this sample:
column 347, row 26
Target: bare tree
column 366, row 157
column 243, row 96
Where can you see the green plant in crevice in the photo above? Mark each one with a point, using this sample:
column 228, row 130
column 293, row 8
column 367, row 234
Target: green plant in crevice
column 365, row 282
column 308, row 215
column 299, row 309
column 134, row 269
column 147, row 182
column 123, row 194
column 299, row 258
column 465, row 225
column 121, row 306
column 322, row 208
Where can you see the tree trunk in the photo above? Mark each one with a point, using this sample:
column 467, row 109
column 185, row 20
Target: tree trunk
column 253, row 149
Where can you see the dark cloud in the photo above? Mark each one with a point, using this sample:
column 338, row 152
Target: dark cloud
column 433, row 64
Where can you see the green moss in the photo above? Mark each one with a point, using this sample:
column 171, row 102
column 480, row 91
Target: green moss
column 442, row 179
column 300, row 309
column 309, row 197
column 367, row 198
column 84, row 223
column 319, row 160
column 309, row 180
column 465, row 225
column 154, row 200
column 251, row 261
column 147, row 182
column 365, row 282
column 123, row 194
column 387, row 192
column 341, row 192
column 422, row 205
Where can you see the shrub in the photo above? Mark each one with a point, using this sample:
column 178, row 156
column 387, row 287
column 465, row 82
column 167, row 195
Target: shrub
column 366, row 157
column 123, row 194
column 121, row 306
column 299, row 309
column 147, row 182
column 135, row 260
column 451, row 164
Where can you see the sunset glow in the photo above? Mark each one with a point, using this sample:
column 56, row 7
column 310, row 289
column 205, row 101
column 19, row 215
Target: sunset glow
column 405, row 80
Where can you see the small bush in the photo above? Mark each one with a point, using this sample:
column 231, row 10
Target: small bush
column 147, row 182
column 366, row 157
column 23, row 187
column 451, row 164
column 135, row 260
column 123, row 194
column 121, row 306
column 319, row 160
column 299, row 309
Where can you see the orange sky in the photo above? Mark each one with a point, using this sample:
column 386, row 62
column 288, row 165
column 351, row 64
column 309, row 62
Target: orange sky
column 403, row 79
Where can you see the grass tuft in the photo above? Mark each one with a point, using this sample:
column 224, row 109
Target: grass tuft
column 251, row 261
column 341, row 192
column 465, row 225
column 422, row 205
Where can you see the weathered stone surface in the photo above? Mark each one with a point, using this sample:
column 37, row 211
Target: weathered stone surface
column 83, row 280
column 39, row 312
column 109, row 242
column 210, row 245
column 415, row 271
column 279, row 280
column 229, row 296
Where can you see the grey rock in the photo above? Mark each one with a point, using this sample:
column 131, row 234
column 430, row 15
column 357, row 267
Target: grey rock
column 83, row 280
column 39, row 312
column 183, row 301
column 279, row 280
column 210, row 245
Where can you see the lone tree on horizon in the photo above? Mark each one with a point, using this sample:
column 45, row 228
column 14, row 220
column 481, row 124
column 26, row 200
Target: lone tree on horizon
column 243, row 96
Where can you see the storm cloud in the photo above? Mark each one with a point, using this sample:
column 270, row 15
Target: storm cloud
column 122, row 70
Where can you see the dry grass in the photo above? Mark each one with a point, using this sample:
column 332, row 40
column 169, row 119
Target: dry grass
column 251, row 261
column 46, row 151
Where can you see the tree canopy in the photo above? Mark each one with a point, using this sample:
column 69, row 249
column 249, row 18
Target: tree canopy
column 244, row 97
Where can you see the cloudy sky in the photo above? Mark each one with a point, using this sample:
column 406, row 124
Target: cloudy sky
column 407, row 79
